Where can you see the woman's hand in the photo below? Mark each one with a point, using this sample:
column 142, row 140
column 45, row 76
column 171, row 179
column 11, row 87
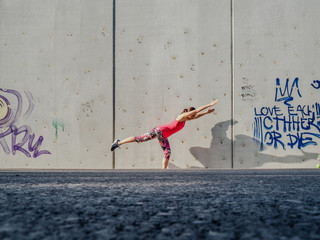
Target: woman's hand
column 209, row 110
column 214, row 102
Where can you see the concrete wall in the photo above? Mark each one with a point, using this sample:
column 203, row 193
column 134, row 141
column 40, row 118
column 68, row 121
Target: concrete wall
column 56, row 74
column 56, row 71
column 171, row 56
column 276, row 40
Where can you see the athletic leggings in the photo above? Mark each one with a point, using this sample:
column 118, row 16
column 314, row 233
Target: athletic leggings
column 153, row 133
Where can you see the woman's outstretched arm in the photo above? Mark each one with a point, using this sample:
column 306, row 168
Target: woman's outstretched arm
column 191, row 114
column 201, row 114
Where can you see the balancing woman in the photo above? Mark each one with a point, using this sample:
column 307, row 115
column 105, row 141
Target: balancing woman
column 164, row 131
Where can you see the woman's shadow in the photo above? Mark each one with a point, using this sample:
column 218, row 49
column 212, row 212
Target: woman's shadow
column 248, row 151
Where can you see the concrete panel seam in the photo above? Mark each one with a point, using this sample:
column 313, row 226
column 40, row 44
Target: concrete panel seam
column 113, row 78
column 232, row 80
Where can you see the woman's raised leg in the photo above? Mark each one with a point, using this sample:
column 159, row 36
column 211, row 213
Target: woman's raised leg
column 143, row 138
column 127, row 140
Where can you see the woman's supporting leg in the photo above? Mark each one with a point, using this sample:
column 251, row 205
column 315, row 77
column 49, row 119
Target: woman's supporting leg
column 164, row 143
column 165, row 162
column 153, row 133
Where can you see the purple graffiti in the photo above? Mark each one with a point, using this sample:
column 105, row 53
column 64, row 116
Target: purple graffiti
column 9, row 118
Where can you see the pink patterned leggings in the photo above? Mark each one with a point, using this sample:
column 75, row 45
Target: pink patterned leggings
column 153, row 133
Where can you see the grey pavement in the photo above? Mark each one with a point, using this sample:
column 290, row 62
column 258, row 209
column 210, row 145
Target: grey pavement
column 197, row 204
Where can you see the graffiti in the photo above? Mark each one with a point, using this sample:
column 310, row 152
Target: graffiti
column 317, row 82
column 293, row 126
column 9, row 118
column 286, row 95
column 317, row 107
column 247, row 155
column 56, row 124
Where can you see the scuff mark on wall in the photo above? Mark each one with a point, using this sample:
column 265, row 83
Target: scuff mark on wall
column 87, row 108
column 167, row 45
column 248, row 92
column 140, row 39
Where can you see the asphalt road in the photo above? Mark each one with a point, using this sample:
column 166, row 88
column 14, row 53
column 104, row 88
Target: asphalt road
column 199, row 204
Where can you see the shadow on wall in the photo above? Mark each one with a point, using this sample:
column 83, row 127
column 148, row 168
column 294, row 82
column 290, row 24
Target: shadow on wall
column 248, row 152
column 173, row 166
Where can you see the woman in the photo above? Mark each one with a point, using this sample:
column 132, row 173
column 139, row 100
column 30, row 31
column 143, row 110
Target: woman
column 164, row 131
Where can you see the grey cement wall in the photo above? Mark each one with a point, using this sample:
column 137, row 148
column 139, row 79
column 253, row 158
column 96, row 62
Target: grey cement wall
column 56, row 71
column 170, row 56
column 276, row 40
column 57, row 58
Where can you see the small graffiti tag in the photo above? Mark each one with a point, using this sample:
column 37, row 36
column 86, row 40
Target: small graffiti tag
column 316, row 84
column 56, row 124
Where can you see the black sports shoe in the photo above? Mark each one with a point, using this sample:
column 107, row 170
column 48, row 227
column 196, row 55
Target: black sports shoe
column 115, row 144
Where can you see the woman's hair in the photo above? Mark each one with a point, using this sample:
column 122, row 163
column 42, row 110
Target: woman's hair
column 188, row 109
